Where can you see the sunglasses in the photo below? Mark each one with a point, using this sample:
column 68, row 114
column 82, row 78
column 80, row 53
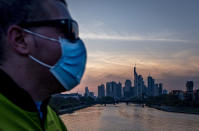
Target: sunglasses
column 68, row 27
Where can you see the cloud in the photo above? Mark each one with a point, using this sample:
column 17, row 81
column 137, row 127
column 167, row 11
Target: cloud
column 97, row 30
column 181, row 61
column 106, row 36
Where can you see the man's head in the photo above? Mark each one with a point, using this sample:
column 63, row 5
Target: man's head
column 16, row 45
column 15, row 11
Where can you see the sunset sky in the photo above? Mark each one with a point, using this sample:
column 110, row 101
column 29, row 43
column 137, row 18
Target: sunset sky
column 160, row 36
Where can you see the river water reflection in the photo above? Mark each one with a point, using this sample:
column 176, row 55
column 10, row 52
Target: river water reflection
column 130, row 117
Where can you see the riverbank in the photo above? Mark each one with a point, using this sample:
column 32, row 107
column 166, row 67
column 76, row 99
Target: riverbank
column 72, row 109
column 187, row 110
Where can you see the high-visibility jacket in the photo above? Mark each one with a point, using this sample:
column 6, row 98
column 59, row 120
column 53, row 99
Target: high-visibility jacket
column 18, row 111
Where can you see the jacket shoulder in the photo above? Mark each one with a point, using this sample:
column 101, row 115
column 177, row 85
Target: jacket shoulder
column 53, row 121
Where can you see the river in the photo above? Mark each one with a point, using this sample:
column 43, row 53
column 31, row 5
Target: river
column 122, row 117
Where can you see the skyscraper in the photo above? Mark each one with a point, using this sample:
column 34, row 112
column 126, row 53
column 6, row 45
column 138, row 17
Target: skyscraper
column 156, row 90
column 114, row 89
column 128, row 85
column 189, row 86
column 109, row 91
column 151, row 85
column 101, row 91
column 119, row 90
column 160, row 88
column 135, row 82
column 127, row 89
column 86, row 92
column 140, row 88
column 189, row 92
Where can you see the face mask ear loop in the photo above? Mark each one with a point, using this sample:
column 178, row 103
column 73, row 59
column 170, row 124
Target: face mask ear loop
column 41, row 36
column 41, row 63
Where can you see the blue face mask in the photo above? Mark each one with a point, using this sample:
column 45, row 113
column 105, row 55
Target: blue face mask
column 70, row 68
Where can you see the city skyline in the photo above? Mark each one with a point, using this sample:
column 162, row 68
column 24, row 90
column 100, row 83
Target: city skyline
column 132, row 79
column 139, row 89
column 161, row 37
column 136, row 88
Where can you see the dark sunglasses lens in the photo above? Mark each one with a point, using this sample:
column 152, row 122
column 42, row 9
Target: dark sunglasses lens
column 74, row 30
column 68, row 27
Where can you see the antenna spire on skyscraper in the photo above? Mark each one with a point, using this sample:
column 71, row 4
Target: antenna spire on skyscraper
column 135, row 68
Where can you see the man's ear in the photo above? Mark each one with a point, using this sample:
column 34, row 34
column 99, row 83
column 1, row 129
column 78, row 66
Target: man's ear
column 16, row 39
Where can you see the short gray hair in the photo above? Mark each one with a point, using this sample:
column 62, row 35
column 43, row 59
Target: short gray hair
column 15, row 11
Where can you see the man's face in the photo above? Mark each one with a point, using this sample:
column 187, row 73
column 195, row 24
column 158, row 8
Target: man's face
column 48, row 51
column 45, row 50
